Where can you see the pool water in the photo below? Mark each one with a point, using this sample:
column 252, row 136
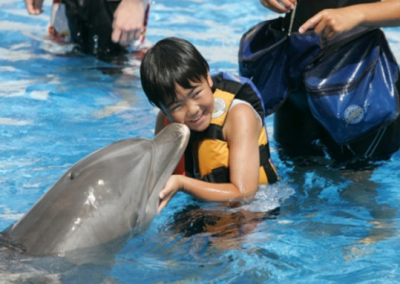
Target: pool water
column 317, row 225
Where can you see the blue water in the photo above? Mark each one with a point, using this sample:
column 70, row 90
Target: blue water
column 333, row 226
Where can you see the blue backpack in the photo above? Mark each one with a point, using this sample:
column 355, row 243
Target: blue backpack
column 352, row 89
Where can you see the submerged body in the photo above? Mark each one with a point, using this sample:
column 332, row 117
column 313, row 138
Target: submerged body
column 108, row 195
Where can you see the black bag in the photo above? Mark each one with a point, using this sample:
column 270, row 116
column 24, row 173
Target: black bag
column 274, row 60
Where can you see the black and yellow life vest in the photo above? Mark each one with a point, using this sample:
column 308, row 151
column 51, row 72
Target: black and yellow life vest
column 212, row 149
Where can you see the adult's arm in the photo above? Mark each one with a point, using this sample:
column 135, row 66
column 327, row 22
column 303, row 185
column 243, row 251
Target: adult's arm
column 34, row 7
column 331, row 22
column 128, row 21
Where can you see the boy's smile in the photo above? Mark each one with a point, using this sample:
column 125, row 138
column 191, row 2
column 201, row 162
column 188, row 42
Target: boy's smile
column 194, row 106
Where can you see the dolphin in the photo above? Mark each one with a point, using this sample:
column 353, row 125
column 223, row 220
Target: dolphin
column 111, row 194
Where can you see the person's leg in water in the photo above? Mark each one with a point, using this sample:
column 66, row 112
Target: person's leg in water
column 363, row 192
column 296, row 131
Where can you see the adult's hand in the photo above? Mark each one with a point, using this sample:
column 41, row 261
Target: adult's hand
column 128, row 21
column 34, row 7
column 279, row 6
column 331, row 22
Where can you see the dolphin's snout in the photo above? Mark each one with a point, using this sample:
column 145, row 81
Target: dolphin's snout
column 174, row 132
column 182, row 131
column 185, row 130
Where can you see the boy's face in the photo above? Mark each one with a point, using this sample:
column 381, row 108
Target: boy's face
column 193, row 107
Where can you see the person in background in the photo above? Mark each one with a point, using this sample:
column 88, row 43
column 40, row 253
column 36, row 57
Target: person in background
column 97, row 26
column 296, row 130
column 228, row 154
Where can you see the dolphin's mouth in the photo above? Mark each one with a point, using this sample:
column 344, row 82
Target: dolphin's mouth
column 181, row 135
column 174, row 134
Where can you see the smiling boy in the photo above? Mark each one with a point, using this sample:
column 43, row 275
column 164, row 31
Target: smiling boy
column 228, row 154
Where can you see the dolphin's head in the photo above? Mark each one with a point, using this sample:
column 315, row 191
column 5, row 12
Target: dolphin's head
column 111, row 192
column 168, row 148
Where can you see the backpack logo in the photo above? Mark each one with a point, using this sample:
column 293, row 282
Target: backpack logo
column 353, row 114
column 219, row 107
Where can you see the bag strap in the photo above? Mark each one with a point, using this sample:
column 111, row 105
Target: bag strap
column 292, row 19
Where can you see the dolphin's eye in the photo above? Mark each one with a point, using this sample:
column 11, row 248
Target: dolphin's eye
column 71, row 176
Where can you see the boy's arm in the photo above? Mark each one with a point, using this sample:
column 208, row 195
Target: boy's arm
column 331, row 22
column 241, row 130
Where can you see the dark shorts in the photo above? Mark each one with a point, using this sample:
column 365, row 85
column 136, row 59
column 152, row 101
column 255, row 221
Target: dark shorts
column 90, row 25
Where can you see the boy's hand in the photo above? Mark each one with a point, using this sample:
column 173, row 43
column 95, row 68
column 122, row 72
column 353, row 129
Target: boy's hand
column 279, row 6
column 34, row 7
column 128, row 21
column 331, row 22
column 173, row 184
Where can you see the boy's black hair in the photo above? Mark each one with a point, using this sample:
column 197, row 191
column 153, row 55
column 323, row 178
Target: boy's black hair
column 169, row 62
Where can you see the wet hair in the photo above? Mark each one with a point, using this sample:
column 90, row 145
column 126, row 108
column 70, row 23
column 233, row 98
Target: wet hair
column 170, row 62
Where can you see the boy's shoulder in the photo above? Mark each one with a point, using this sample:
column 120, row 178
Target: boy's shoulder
column 242, row 87
column 221, row 79
column 234, row 84
column 224, row 76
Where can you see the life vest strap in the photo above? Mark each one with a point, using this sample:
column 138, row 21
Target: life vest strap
column 215, row 132
column 266, row 164
column 218, row 175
